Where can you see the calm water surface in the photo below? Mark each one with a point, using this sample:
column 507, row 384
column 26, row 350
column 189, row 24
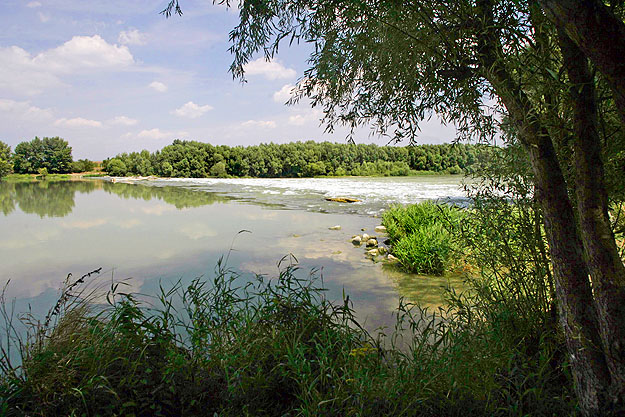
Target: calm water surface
column 157, row 232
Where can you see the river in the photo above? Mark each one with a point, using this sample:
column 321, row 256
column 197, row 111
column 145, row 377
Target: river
column 156, row 232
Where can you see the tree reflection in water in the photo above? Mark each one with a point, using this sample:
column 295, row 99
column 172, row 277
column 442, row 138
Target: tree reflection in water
column 56, row 198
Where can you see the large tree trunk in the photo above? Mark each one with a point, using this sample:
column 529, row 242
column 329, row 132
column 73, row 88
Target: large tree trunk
column 578, row 316
column 577, row 313
column 602, row 258
column 599, row 34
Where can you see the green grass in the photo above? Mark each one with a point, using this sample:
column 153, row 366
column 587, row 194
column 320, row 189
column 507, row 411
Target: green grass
column 420, row 238
column 34, row 177
column 273, row 347
column 95, row 175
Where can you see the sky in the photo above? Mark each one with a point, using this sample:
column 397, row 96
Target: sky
column 112, row 76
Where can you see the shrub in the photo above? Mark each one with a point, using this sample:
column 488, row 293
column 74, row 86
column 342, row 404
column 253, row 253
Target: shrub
column 419, row 236
column 427, row 251
column 83, row 165
column 116, row 167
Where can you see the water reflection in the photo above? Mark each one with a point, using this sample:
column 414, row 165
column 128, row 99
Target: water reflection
column 43, row 198
column 179, row 197
column 57, row 198
column 161, row 233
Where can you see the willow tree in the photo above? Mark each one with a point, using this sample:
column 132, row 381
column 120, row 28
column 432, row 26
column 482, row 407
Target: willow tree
column 477, row 63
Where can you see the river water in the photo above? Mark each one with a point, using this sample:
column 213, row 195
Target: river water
column 159, row 231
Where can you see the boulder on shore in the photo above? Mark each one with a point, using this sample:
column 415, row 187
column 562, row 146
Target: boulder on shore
column 380, row 229
column 356, row 240
column 391, row 258
column 371, row 243
column 372, row 252
column 337, row 227
column 343, row 200
column 365, row 237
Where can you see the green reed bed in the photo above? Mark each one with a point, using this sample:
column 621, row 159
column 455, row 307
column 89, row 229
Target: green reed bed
column 271, row 347
column 420, row 236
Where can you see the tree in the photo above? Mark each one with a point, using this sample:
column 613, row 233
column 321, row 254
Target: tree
column 54, row 154
column 6, row 165
column 391, row 64
column 116, row 167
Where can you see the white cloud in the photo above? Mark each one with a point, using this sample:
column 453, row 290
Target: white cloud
column 158, row 86
column 77, row 122
column 33, row 4
column 264, row 124
column 43, row 17
column 132, row 37
column 24, row 73
column 24, row 110
column 303, row 118
column 123, row 120
column 271, row 70
column 158, row 134
column 284, row 94
column 85, row 52
column 192, row 110
column 297, row 120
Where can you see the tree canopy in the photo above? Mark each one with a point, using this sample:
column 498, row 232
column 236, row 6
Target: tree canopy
column 54, row 154
column 293, row 160
column 6, row 164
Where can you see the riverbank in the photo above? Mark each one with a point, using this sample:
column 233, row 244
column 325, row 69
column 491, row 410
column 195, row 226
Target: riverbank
column 53, row 177
column 269, row 350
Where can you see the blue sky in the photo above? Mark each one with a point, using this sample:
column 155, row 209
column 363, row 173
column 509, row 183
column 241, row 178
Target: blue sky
column 113, row 76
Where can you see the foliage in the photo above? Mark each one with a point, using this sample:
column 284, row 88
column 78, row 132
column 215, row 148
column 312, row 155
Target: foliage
column 43, row 172
column 83, row 165
column 115, row 167
column 54, row 154
column 192, row 159
column 271, row 347
column 6, row 166
column 420, row 236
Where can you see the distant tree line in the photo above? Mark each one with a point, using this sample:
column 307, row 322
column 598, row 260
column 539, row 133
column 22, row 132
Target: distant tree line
column 45, row 155
column 193, row 159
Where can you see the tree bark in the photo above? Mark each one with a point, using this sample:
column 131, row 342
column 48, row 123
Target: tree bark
column 577, row 313
column 602, row 258
column 599, row 34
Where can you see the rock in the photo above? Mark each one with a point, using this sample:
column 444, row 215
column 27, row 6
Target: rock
column 371, row 243
column 343, row 200
column 380, row 229
column 391, row 258
column 372, row 252
column 381, row 250
column 337, row 227
column 356, row 240
column 365, row 237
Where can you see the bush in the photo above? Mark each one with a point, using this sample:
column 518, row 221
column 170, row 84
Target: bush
column 427, row 251
column 420, row 238
column 83, row 165
column 116, row 167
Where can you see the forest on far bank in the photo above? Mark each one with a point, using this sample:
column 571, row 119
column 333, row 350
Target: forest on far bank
column 192, row 159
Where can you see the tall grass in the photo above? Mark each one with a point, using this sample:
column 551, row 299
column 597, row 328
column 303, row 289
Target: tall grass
column 271, row 347
column 420, row 236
